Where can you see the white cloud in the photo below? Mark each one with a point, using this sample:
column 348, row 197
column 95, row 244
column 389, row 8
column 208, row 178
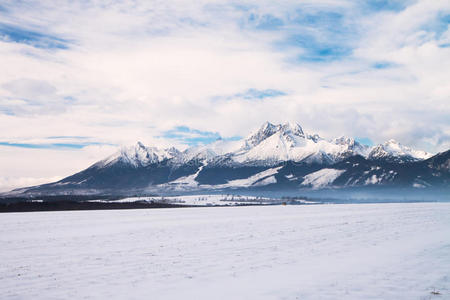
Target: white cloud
column 10, row 183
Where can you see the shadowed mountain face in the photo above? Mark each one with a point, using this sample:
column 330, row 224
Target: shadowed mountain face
column 274, row 158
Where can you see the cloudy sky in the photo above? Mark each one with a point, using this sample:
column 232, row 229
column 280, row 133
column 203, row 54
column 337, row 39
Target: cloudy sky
column 78, row 79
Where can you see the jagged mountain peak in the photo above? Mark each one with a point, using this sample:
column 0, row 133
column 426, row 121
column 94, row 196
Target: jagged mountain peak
column 282, row 142
column 343, row 140
column 273, row 143
column 291, row 127
column 270, row 144
column 139, row 155
column 394, row 151
column 268, row 129
column 352, row 146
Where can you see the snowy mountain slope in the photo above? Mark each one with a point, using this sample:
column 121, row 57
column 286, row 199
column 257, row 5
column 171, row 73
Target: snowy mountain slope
column 139, row 155
column 259, row 179
column 275, row 157
column 354, row 171
column 360, row 171
column 272, row 144
column 187, row 181
column 269, row 145
column 394, row 151
column 190, row 182
column 206, row 153
column 322, row 178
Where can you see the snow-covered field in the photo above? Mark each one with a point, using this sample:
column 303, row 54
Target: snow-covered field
column 361, row 251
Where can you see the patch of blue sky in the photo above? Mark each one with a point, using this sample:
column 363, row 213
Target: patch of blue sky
column 259, row 94
column 7, row 111
column 69, row 99
column 322, row 36
column 69, row 145
column 440, row 25
column 383, row 65
column 12, row 33
column 192, row 22
column 193, row 137
column 265, row 22
column 244, row 7
column 364, row 141
column 50, row 145
column 436, row 28
column 374, row 6
column 252, row 94
column 332, row 21
column 444, row 19
column 314, row 50
column 325, row 53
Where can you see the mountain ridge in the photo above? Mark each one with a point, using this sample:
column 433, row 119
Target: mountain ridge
column 272, row 144
column 274, row 157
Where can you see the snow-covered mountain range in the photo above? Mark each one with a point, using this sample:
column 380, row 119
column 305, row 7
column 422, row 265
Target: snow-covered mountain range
column 269, row 145
column 275, row 157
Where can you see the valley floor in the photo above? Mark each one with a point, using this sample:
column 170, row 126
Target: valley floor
column 353, row 251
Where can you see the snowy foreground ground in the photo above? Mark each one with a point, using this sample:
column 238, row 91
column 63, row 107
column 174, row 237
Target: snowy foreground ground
column 361, row 251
